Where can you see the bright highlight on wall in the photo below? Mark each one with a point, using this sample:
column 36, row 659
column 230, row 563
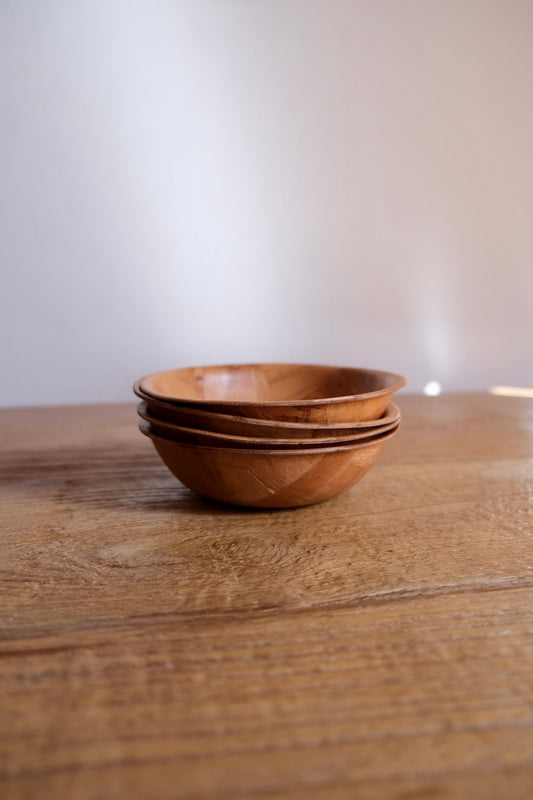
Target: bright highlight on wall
column 432, row 389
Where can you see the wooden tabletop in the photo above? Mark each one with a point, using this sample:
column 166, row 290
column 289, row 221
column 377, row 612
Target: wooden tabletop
column 380, row 645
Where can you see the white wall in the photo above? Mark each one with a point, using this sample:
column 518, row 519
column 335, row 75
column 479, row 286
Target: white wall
column 203, row 181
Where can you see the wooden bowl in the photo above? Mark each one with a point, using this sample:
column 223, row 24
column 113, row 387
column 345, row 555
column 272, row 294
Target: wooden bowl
column 290, row 392
column 269, row 478
column 167, row 430
column 260, row 428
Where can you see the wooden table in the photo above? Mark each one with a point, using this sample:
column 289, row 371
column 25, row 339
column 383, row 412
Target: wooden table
column 379, row 645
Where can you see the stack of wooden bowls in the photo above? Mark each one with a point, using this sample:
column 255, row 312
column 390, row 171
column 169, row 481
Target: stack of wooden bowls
column 269, row 435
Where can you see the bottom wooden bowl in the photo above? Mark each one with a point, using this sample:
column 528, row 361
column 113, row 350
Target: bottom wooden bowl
column 269, row 478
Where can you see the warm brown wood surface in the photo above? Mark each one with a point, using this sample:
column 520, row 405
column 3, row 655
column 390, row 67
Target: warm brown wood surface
column 379, row 645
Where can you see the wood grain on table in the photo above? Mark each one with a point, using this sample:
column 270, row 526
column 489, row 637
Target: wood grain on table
column 379, row 645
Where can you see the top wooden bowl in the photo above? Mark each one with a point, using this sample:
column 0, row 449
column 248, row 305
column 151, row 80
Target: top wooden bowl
column 290, row 392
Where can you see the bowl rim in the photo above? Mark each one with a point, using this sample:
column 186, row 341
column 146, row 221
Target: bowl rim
column 399, row 382
column 391, row 413
column 237, row 439
column 378, row 439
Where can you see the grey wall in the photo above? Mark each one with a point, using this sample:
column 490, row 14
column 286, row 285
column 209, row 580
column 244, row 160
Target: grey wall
column 231, row 180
